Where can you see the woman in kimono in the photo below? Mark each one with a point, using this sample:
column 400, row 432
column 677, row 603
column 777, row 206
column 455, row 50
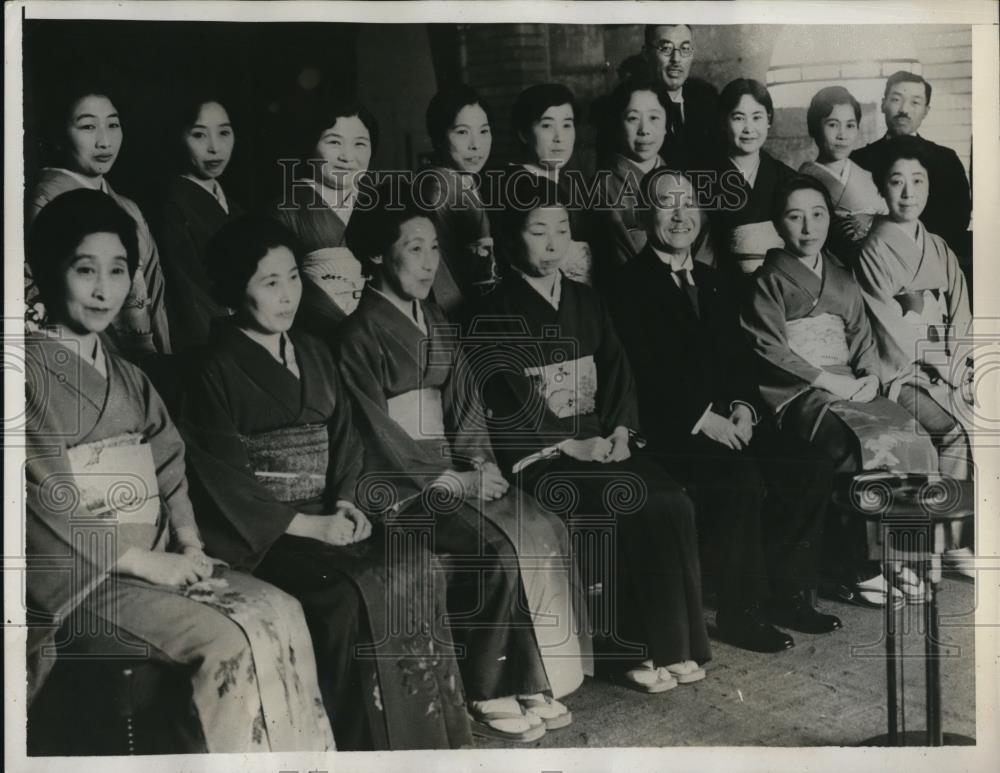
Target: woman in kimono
column 747, row 179
column 337, row 144
column 459, row 126
column 561, row 406
column 819, row 369
column 523, row 639
column 83, row 134
column 277, row 460
column 833, row 119
column 195, row 207
column 544, row 122
column 918, row 302
column 109, row 470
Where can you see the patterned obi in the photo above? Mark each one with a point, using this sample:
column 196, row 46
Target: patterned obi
column 291, row 462
column 338, row 273
column 749, row 244
column 115, row 479
column 569, row 388
column 819, row 340
column 419, row 413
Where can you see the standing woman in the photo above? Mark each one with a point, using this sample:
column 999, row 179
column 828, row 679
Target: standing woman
column 511, row 590
column 108, row 452
column 275, row 463
column 544, row 121
column 202, row 138
column 458, row 123
column 833, row 119
column 747, row 179
column 83, row 135
column 336, row 146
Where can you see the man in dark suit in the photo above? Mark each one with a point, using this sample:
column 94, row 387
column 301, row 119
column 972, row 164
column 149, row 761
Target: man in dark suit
column 703, row 418
column 693, row 131
column 905, row 104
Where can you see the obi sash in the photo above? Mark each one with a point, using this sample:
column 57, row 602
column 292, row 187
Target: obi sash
column 749, row 243
column 820, row 340
column 115, row 478
column 291, row 462
column 419, row 412
column 577, row 264
column 927, row 311
column 338, row 273
column 569, row 388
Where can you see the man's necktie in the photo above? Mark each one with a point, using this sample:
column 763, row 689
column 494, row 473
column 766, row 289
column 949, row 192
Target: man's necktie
column 675, row 119
column 687, row 284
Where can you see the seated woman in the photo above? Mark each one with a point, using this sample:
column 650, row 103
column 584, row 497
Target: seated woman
column 512, row 605
column 99, row 430
column 818, row 366
column 561, row 405
column 458, row 123
column 833, row 119
column 337, row 143
column 919, row 305
column 760, row 496
column 275, row 460
column 83, row 134
column 747, row 179
column 544, row 122
column 201, row 138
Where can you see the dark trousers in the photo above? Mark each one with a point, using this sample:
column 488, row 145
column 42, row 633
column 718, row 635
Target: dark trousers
column 487, row 608
column 760, row 512
column 335, row 613
column 656, row 579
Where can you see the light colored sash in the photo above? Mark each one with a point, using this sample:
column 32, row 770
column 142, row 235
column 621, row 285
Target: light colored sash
column 291, row 463
column 568, row 388
column 419, row 413
column 338, row 273
column 820, row 340
column 750, row 243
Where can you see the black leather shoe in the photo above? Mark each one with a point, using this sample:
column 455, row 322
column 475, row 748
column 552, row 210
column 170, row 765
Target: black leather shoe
column 748, row 630
column 797, row 613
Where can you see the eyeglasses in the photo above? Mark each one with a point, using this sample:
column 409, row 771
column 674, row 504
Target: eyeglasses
column 666, row 49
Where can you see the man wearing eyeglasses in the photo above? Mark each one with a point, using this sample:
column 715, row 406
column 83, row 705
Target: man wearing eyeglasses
column 693, row 139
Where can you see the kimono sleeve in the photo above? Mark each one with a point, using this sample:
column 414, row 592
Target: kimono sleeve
column 860, row 339
column 465, row 415
column 346, row 449
column 617, row 402
column 240, row 519
column 155, row 287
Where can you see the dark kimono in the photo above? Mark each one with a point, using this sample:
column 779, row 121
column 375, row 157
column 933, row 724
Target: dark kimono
column 467, row 268
column 141, row 327
column 418, row 412
column 798, row 324
column 266, row 445
column 106, row 467
column 690, row 360
column 332, row 279
column 560, row 374
column 742, row 231
column 188, row 218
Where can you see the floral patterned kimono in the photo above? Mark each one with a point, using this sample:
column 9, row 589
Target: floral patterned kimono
column 919, row 306
column 416, row 406
column 798, row 324
column 105, row 473
column 332, row 279
column 141, row 325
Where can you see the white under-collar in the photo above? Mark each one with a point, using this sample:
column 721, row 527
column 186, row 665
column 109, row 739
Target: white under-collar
column 549, row 288
column 410, row 309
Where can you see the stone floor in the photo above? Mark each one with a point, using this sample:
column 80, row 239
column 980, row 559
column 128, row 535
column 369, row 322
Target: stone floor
column 826, row 691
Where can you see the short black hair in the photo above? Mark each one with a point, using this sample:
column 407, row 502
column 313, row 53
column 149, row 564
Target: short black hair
column 799, row 182
column 532, row 103
column 822, row 105
column 649, row 31
column 896, row 148
column 235, row 251
column 61, row 96
column 905, row 76
column 607, row 113
column 62, row 225
column 376, row 227
column 735, row 90
column 324, row 113
column 446, row 105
